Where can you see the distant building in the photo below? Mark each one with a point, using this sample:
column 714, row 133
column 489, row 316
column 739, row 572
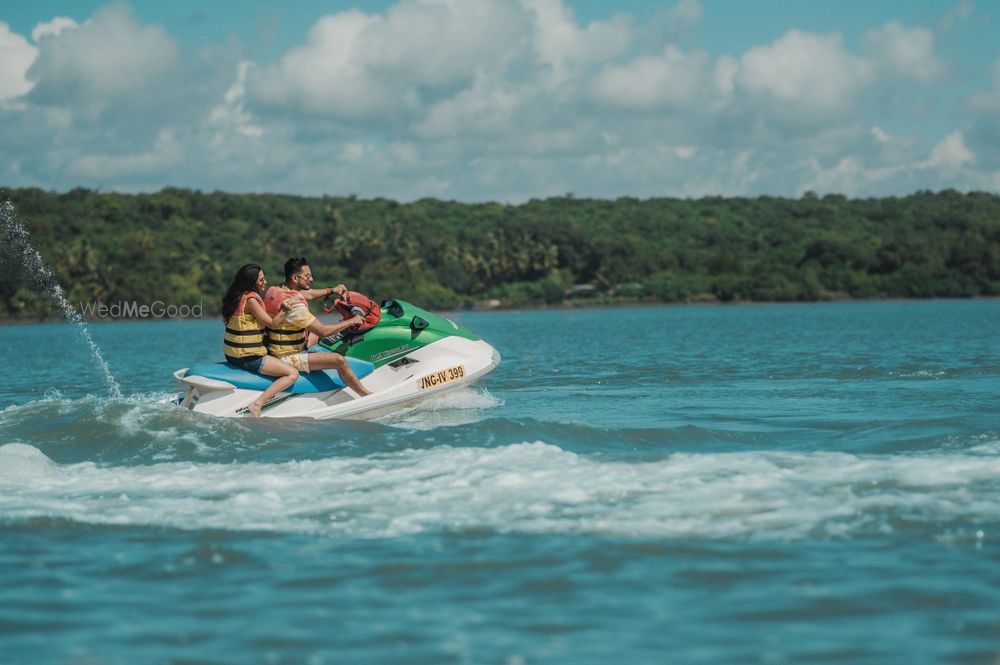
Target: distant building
column 581, row 291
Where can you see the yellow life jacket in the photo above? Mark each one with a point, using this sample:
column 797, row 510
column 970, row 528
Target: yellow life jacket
column 244, row 335
column 286, row 338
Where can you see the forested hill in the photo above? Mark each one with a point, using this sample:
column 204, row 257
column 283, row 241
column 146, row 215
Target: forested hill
column 183, row 247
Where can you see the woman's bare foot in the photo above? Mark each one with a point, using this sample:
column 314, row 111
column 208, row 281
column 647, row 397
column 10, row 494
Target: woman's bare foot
column 255, row 408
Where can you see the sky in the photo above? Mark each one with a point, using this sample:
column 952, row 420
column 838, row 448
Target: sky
column 502, row 100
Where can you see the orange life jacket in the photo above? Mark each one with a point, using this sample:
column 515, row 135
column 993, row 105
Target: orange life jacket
column 274, row 297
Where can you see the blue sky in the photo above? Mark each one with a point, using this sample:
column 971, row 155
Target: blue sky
column 502, row 99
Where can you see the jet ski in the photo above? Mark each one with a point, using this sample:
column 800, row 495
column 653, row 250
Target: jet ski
column 409, row 356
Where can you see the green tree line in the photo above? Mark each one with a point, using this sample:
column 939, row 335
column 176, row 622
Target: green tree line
column 183, row 247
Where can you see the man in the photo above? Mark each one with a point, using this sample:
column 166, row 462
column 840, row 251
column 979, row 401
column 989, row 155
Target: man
column 289, row 341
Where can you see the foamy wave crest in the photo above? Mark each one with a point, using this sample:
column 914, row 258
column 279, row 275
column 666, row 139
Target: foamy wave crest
column 456, row 407
column 54, row 397
column 986, row 444
column 144, row 425
column 531, row 488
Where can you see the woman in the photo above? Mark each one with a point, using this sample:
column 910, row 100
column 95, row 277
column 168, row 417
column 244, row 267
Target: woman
column 246, row 321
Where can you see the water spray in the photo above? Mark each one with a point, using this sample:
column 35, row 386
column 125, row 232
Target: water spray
column 15, row 236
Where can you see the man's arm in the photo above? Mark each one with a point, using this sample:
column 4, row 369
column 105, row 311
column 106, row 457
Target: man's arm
column 313, row 294
column 325, row 329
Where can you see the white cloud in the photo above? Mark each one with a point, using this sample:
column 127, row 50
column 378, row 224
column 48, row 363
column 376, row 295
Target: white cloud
column 356, row 65
column 325, row 76
column 231, row 115
column 905, row 53
column 672, row 78
column 958, row 14
column 804, row 78
column 984, row 134
column 988, row 101
column 109, row 60
column 166, row 153
column 53, row 27
column 440, row 43
column 561, row 45
column 489, row 99
column 487, row 107
column 897, row 163
column 950, row 153
column 724, row 75
column 16, row 56
column 685, row 15
column 893, row 150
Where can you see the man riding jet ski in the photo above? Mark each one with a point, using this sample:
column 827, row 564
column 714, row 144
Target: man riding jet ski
column 289, row 340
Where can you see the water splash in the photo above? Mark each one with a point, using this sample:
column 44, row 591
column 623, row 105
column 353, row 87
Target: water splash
column 526, row 488
column 15, row 236
column 456, row 407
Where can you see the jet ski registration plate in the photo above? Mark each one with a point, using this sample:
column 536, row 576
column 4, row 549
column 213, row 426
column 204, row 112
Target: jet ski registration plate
column 444, row 376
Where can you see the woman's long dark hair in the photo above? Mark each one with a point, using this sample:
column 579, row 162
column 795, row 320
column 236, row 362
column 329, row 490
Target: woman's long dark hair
column 245, row 280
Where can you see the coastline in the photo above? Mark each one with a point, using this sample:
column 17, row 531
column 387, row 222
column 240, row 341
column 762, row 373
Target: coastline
column 566, row 305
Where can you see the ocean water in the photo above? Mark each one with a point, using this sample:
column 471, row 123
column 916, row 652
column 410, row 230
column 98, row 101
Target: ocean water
column 815, row 483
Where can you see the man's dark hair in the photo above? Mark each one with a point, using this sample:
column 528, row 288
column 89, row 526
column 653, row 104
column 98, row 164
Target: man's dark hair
column 294, row 265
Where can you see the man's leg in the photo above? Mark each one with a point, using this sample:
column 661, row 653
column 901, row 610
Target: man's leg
column 326, row 360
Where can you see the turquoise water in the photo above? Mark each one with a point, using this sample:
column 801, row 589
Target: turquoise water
column 746, row 484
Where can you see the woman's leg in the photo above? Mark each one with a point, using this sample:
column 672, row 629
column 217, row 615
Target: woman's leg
column 287, row 375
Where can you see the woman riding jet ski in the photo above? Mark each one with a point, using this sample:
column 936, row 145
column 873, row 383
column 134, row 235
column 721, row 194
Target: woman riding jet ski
column 409, row 355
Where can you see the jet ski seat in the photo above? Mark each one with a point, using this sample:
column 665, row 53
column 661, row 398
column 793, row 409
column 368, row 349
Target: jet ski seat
column 313, row 382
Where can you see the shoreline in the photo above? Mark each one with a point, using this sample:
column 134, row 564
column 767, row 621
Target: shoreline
column 562, row 306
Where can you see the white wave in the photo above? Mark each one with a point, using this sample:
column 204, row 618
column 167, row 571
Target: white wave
column 99, row 403
column 152, row 417
column 456, row 407
column 987, row 444
column 532, row 488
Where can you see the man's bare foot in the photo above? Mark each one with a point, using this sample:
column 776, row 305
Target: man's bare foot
column 362, row 391
column 255, row 408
